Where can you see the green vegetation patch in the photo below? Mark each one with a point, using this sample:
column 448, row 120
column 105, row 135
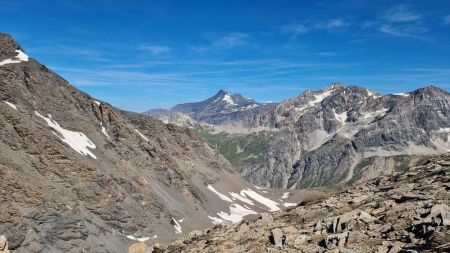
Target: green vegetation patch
column 238, row 148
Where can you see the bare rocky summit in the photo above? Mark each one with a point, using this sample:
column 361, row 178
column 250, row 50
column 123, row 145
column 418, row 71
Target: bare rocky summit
column 407, row 211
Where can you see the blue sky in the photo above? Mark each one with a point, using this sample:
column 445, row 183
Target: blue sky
column 138, row 55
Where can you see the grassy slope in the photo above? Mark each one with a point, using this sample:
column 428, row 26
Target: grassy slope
column 238, row 148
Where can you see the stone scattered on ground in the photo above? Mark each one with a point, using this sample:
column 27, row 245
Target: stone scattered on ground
column 404, row 212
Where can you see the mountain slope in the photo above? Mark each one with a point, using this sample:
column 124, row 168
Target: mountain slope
column 336, row 135
column 342, row 134
column 80, row 175
column 405, row 212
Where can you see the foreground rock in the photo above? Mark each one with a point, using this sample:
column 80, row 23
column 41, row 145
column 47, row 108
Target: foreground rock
column 405, row 212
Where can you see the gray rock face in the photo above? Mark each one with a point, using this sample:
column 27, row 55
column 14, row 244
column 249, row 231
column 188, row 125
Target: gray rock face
column 222, row 108
column 78, row 175
column 340, row 134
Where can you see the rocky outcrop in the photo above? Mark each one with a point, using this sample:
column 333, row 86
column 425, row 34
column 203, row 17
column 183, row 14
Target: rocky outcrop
column 406, row 212
column 4, row 244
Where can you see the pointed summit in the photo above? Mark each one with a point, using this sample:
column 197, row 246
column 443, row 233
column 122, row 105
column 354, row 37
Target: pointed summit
column 220, row 93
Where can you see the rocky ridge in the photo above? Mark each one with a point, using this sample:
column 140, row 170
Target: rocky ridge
column 407, row 211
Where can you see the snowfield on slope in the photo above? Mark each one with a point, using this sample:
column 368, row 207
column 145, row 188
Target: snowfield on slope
column 76, row 140
column 237, row 211
column 21, row 56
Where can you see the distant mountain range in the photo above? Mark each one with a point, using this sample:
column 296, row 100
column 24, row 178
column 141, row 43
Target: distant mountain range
column 336, row 135
column 221, row 108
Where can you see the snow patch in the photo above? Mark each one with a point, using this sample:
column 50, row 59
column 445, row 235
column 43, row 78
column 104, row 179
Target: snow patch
column 320, row 97
column 241, row 198
column 222, row 196
column 289, row 204
column 237, row 212
column 21, row 56
column 227, row 98
column 104, row 131
column 272, row 205
column 403, row 94
column 371, row 94
column 248, row 107
column 141, row 239
column 285, row 195
column 177, row 226
column 341, row 117
column 98, row 103
column 11, row 105
column 215, row 220
column 76, row 140
column 142, row 136
column 444, row 130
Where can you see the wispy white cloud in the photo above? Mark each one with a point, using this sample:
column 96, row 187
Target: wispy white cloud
column 408, row 31
column 155, row 49
column 295, row 29
column 401, row 13
column 231, row 40
column 331, row 24
column 402, row 21
column 227, row 41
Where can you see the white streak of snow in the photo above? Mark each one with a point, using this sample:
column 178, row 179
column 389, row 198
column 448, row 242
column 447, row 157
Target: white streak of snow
column 142, row 136
column 222, row 196
column 177, row 226
column 320, row 97
column 285, row 195
column 237, row 212
column 289, row 204
column 104, row 131
column 215, row 220
column 21, row 56
column 403, row 94
column 272, row 205
column 76, row 140
column 241, row 198
column 141, row 239
column 11, row 105
column 98, row 103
